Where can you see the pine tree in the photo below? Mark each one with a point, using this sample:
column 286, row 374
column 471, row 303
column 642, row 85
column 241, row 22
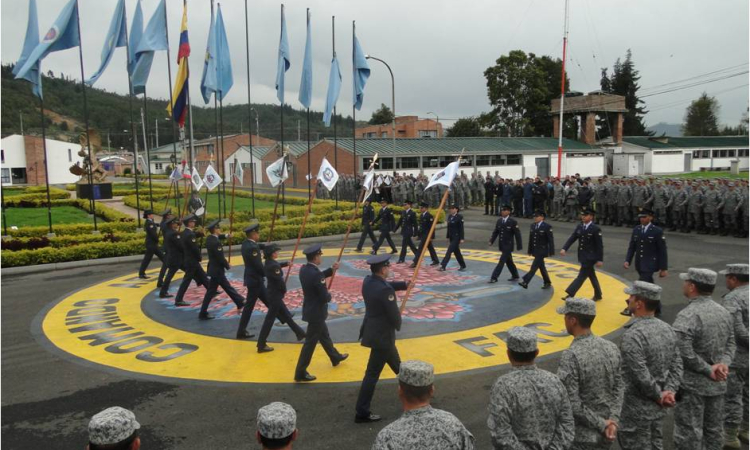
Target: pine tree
column 701, row 117
column 624, row 81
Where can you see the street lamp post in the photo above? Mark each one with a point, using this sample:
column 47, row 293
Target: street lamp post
column 393, row 99
column 437, row 124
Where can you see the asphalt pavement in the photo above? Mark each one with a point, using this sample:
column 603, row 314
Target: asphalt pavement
column 47, row 400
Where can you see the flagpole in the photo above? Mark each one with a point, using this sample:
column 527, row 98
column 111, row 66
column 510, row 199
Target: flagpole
column 133, row 130
column 231, row 210
column 283, row 190
column 309, row 178
column 217, row 144
column 46, row 171
column 354, row 106
column 222, row 187
column 426, row 244
column 144, row 121
column 86, row 120
column 171, row 100
column 335, row 131
column 351, row 221
column 249, row 110
column 275, row 208
column 169, row 193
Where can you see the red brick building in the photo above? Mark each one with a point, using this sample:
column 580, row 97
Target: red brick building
column 406, row 127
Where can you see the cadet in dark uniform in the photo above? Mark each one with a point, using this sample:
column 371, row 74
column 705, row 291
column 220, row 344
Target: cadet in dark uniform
column 378, row 331
column 175, row 259
column 408, row 225
column 489, row 189
column 166, row 215
column 192, row 257
column 387, row 224
column 217, row 267
column 590, row 254
column 253, row 278
column 425, row 225
column 276, row 306
column 649, row 246
column 315, row 312
column 541, row 245
column 456, row 238
column 368, row 217
column 506, row 229
column 152, row 243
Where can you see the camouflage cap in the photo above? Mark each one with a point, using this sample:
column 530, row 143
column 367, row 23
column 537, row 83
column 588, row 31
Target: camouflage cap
column 578, row 305
column 730, row 184
column 644, row 289
column 735, row 269
column 521, row 340
column 416, row 373
column 704, row 276
column 112, row 426
column 277, row 420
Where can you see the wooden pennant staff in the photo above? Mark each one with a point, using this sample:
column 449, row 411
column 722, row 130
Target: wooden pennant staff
column 169, row 194
column 231, row 210
column 426, row 245
column 351, row 221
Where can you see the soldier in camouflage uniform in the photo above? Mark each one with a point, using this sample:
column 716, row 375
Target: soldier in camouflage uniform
column 736, row 398
column 397, row 191
column 571, row 203
column 529, row 407
column 640, row 195
column 679, row 210
column 695, row 202
column 624, row 200
column 422, row 427
column 277, row 425
column 744, row 209
column 711, row 209
column 558, row 200
column 705, row 336
column 600, row 196
column 590, row 371
column 651, row 370
column 662, row 198
column 611, row 200
column 729, row 206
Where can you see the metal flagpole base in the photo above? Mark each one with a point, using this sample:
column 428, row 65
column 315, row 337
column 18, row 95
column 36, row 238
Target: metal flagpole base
column 51, row 235
column 96, row 232
column 282, row 217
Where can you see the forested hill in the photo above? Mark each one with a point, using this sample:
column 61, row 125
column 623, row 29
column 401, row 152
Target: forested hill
column 110, row 112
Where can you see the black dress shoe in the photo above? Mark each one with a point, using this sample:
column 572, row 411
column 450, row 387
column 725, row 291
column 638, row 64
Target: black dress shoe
column 435, row 263
column 245, row 335
column 359, row 250
column 394, row 251
column 462, row 269
column 301, row 336
column 240, row 305
column 564, row 297
column 305, row 377
column 205, row 316
column 143, row 277
column 596, row 299
column 337, row 361
column 400, row 262
column 265, row 349
column 546, row 286
column 181, row 303
column 442, row 269
column 368, row 419
column 626, row 312
column 158, row 285
column 412, row 265
column 523, row 284
column 373, row 252
column 513, row 279
column 492, row 280
column 166, row 296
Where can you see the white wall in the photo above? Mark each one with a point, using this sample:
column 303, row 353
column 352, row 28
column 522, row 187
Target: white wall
column 698, row 164
column 664, row 163
column 58, row 161
column 15, row 154
column 588, row 166
column 243, row 157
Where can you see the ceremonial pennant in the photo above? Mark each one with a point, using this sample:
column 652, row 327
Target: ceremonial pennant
column 328, row 175
column 277, row 172
column 445, row 176
column 211, row 178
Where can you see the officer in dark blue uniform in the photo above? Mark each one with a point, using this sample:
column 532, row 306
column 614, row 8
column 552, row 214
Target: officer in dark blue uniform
column 506, row 229
column 368, row 217
column 425, row 225
column 175, row 258
column 192, row 257
column 378, row 331
column 590, row 253
column 276, row 307
column 387, row 224
column 166, row 216
column 649, row 246
column 315, row 312
column 541, row 245
column 455, row 239
column 489, row 194
column 253, row 278
column 152, row 243
column 217, row 267
column 408, row 225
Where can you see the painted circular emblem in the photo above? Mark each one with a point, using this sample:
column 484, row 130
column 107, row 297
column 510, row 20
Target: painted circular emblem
column 453, row 319
column 210, row 178
column 328, row 174
column 51, row 34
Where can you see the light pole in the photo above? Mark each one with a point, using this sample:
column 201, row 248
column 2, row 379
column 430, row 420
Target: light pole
column 393, row 99
column 437, row 124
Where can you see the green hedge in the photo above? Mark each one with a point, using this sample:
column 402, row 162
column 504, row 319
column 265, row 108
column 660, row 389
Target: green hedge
column 34, row 193
column 77, row 253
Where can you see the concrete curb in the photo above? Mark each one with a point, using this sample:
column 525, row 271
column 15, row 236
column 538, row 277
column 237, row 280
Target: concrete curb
column 41, row 268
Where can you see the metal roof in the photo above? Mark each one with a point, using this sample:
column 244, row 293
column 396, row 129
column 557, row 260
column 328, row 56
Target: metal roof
column 296, row 148
column 668, row 142
column 453, row 146
column 258, row 151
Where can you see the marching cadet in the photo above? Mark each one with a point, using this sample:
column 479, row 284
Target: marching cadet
column 425, row 225
column 275, row 296
column 705, row 336
column 541, row 245
column 277, row 426
column 590, row 371
column 590, row 254
column 217, row 267
column 506, row 229
column 387, row 224
column 166, row 216
column 192, row 257
column 378, row 331
column 649, row 246
column 315, row 312
column 152, row 243
column 175, row 259
column 252, row 278
column 651, row 370
column 736, row 302
column 408, row 224
column 422, row 427
column 368, row 217
column 456, row 238
column 529, row 407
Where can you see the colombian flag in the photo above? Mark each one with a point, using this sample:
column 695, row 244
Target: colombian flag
column 178, row 110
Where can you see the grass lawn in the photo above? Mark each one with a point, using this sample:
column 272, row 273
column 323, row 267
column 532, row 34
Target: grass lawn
column 30, row 217
column 10, row 192
column 707, row 174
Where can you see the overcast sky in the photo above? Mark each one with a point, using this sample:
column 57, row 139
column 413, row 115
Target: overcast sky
column 437, row 49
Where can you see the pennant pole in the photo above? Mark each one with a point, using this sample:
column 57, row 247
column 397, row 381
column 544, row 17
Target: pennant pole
column 276, row 205
column 171, row 99
column 249, row 117
column 144, row 120
column 351, row 221
column 426, row 245
column 46, row 171
column 231, row 210
column 133, row 127
column 283, row 190
column 169, row 193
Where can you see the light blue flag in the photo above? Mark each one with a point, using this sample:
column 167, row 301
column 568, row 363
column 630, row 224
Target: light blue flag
column 361, row 72
column 284, row 59
column 136, row 32
column 223, row 60
column 29, row 44
column 62, row 36
column 208, row 79
column 305, row 86
column 116, row 37
column 154, row 39
column 334, row 87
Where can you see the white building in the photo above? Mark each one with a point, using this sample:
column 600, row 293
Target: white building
column 22, row 160
column 643, row 155
column 250, row 165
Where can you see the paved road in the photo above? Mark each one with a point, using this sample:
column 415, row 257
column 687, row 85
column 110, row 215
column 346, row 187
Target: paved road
column 47, row 401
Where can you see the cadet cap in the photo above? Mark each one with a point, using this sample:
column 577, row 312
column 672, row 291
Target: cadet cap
column 277, row 420
column 698, row 275
column 735, row 269
column 521, row 340
column 112, row 426
column 315, row 249
column 253, row 227
column 213, row 224
column 416, row 373
column 644, row 289
column 578, row 305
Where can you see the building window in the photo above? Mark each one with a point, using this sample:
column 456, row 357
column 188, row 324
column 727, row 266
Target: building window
column 720, row 153
column 158, row 166
column 6, row 176
column 385, row 164
column 70, row 155
column 483, row 160
column 384, row 134
column 407, row 162
column 370, row 135
column 742, row 152
column 2, row 156
column 731, row 153
column 428, row 133
column 513, row 160
column 696, row 154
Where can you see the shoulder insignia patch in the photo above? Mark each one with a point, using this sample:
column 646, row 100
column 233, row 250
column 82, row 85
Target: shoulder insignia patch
column 391, row 297
column 600, row 234
column 255, row 253
column 277, row 271
column 323, row 281
column 178, row 236
column 193, row 239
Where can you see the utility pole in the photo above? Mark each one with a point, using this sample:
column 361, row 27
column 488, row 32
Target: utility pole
column 21, row 115
column 156, row 127
column 299, row 132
